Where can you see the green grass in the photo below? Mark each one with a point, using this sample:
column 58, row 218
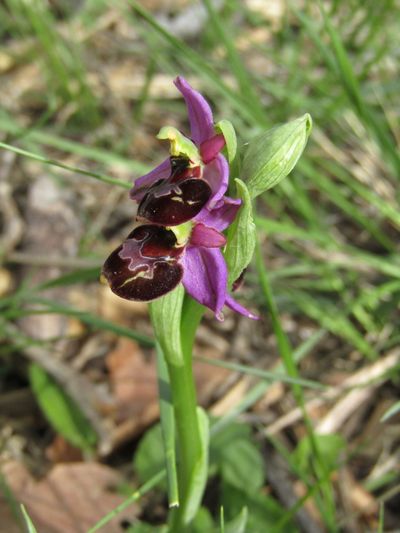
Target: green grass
column 329, row 233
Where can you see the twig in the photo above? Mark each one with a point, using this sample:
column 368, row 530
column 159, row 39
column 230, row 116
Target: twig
column 12, row 222
column 282, row 484
column 362, row 378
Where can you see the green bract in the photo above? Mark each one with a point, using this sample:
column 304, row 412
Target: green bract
column 166, row 317
column 241, row 236
column 271, row 156
column 228, row 131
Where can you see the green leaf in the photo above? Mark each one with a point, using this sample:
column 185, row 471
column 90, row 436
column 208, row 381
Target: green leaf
column 230, row 433
column 241, row 236
column 235, row 455
column 60, row 410
column 142, row 527
column 100, row 177
column 50, row 306
column 329, row 446
column 28, row 521
column 238, row 524
column 168, row 427
column 263, row 511
column 228, row 131
column 202, row 521
column 272, row 155
column 149, row 456
column 199, row 475
column 166, row 319
column 240, row 458
column 394, row 409
column 77, row 276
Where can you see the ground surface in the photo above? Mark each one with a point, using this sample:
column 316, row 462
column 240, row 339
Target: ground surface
column 89, row 84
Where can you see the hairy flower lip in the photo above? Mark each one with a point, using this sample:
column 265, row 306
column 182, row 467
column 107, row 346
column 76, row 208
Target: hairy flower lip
column 173, row 205
column 145, row 266
column 178, row 198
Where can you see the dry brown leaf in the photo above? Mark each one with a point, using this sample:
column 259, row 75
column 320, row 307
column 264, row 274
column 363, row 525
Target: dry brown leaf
column 133, row 382
column 8, row 521
column 70, row 499
column 61, row 451
column 361, row 501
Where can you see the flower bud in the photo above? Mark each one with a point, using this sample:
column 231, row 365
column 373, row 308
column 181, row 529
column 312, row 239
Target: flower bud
column 272, row 155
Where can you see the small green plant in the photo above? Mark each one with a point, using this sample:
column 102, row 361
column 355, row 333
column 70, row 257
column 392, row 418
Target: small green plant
column 173, row 258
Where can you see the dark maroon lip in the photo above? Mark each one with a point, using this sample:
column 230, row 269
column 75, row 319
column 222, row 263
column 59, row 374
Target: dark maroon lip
column 177, row 199
column 146, row 265
column 171, row 203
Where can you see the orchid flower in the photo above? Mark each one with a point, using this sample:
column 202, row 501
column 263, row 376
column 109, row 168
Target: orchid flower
column 203, row 148
column 181, row 215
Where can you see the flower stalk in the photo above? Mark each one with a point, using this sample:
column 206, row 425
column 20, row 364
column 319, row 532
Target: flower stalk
column 184, row 401
column 187, row 432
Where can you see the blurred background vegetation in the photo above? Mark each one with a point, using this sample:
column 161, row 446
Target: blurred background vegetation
column 85, row 87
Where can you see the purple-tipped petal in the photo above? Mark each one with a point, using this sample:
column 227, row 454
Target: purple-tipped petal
column 146, row 265
column 207, row 237
column 200, row 114
column 205, row 276
column 235, row 306
column 141, row 185
column 210, row 148
column 222, row 215
column 216, row 175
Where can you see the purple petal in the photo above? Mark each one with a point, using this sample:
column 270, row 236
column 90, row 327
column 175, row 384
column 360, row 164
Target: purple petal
column 210, row 148
column 200, row 114
column 207, row 237
column 216, row 175
column 141, row 185
column 222, row 215
column 235, row 306
column 205, row 277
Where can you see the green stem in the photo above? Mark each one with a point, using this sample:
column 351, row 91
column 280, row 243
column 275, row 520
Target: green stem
column 184, row 400
column 175, row 319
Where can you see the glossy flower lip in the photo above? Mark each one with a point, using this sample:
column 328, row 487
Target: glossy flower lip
column 179, row 198
column 146, row 265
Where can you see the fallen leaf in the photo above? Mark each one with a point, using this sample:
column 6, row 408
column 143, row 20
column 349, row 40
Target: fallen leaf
column 8, row 521
column 61, row 451
column 71, row 498
column 133, row 381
